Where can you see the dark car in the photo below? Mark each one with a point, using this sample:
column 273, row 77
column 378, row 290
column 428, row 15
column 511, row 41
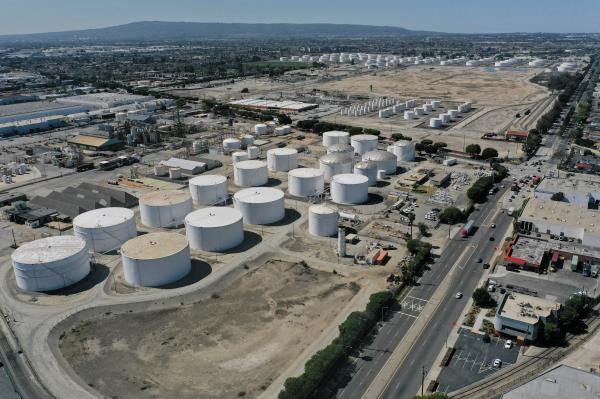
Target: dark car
column 479, row 260
column 486, row 265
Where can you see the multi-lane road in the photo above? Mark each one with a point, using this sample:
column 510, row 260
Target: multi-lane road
column 407, row 379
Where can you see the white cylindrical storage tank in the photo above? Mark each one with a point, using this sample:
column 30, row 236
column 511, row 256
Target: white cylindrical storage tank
column 161, row 170
column 385, row 160
column 363, row 143
column 435, row 123
column 250, row 173
column 253, row 152
column 232, row 144
column 156, row 259
column 261, row 129
column 419, row 111
column 341, row 149
column 239, row 156
column 214, row 229
column 306, row 182
column 367, row 168
column 335, row 164
column 427, row 107
column 335, row 137
column 453, row 113
column 247, row 139
column 282, row 159
column 322, row 220
column 51, row 263
column 436, row 104
column 404, row 150
column 174, row 173
column 445, row 118
column 349, row 188
column 208, row 189
column 260, row 205
column 409, row 115
column 105, row 229
column 165, row 208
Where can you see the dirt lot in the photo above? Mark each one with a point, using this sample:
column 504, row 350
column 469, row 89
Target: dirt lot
column 236, row 341
column 481, row 86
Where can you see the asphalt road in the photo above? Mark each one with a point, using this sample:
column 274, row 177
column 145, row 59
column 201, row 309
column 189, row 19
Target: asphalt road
column 408, row 380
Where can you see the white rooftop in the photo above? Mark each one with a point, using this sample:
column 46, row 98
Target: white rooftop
column 49, row 249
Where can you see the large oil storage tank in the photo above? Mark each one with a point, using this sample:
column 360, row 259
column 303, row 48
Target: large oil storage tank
column 349, row 188
column 214, row 229
column 165, row 208
column 322, row 220
column 385, row 160
column 404, row 150
column 341, row 149
column 250, row 173
column 156, row 259
column 247, row 140
column 367, row 168
column 335, row 137
column 335, row 164
column 208, row 189
column 363, row 143
column 306, row 182
column 261, row 129
column 260, row 205
column 105, row 229
column 282, row 159
column 239, row 156
column 51, row 263
column 232, row 144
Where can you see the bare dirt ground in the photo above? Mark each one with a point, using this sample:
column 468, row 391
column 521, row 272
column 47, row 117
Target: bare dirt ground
column 481, row 86
column 236, row 341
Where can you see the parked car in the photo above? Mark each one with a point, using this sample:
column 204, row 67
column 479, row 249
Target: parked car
column 498, row 363
column 508, row 344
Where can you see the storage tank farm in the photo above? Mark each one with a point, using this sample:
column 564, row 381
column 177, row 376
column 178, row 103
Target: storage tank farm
column 260, row 205
column 282, row 159
column 165, row 208
column 322, row 220
column 51, row 263
column 155, row 259
column 306, row 182
column 215, row 229
column 105, row 229
column 208, row 189
column 250, row 173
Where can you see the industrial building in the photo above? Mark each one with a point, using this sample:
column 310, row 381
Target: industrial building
column 104, row 100
column 94, row 143
column 285, row 106
column 38, row 109
column 577, row 190
column 523, row 316
column 563, row 220
column 186, row 165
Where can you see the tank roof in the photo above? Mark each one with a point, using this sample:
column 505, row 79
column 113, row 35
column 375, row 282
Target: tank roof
column 336, row 157
column 364, row 137
column 379, row 155
column 341, row 147
column 213, row 217
column 322, row 209
column 282, row 151
column 305, row 172
column 154, row 246
column 365, row 165
column 49, row 249
column 103, row 217
column 337, row 133
column 207, row 180
column 258, row 195
column 250, row 164
column 165, row 197
column 350, row 178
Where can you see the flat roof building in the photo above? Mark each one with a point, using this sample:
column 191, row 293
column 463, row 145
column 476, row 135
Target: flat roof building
column 521, row 315
column 95, row 143
column 288, row 106
column 186, row 165
column 104, row 100
column 579, row 189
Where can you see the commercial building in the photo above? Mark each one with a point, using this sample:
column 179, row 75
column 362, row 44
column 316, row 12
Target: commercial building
column 285, row 106
column 517, row 135
column 578, row 190
column 559, row 382
column 522, row 316
column 104, row 100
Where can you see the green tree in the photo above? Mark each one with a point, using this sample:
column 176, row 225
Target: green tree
column 488, row 153
column 473, row 149
column 482, row 298
column 423, row 229
column 552, row 334
column 426, row 142
column 451, row 215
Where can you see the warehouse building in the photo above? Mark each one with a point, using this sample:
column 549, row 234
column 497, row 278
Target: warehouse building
column 186, row 165
column 577, row 190
column 104, row 100
column 285, row 106
column 95, row 143
column 523, row 316
column 37, row 109
column 29, row 126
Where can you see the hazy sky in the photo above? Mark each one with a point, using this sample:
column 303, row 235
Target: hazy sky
column 464, row 16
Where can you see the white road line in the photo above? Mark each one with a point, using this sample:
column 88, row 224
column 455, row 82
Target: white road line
column 406, row 314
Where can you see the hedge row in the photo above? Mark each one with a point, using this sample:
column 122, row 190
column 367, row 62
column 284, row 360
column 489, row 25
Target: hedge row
column 319, row 127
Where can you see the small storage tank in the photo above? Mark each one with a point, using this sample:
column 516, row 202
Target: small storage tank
column 253, row 152
column 404, row 150
column 51, row 263
column 341, row 149
column 156, row 259
column 247, row 139
column 260, row 205
column 250, row 173
column 436, row 104
column 322, row 220
column 231, row 144
column 161, row 170
column 214, row 229
column 165, row 208
column 105, row 229
column 367, row 168
column 282, row 159
column 174, row 173
column 306, row 182
column 349, row 188
column 445, row 117
column 261, row 129
column 385, row 160
column 363, row 143
column 409, row 115
column 335, row 137
column 419, row 111
column 435, row 123
column 335, row 164
column 427, row 108
column 453, row 113
column 208, row 189
column 239, row 156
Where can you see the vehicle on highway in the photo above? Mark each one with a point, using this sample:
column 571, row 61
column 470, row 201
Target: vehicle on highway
column 508, row 344
column 479, row 260
column 497, row 363
column 492, row 238
column 468, row 229
column 486, row 265
column 458, row 295
column 493, row 225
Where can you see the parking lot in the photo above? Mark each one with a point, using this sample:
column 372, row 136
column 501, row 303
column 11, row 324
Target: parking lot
column 473, row 360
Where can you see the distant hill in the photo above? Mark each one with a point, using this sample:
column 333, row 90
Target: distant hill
column 156, row 31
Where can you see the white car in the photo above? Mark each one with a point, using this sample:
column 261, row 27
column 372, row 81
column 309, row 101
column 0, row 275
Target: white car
column 497, row 363
column 508, row 344
column 458, row 295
